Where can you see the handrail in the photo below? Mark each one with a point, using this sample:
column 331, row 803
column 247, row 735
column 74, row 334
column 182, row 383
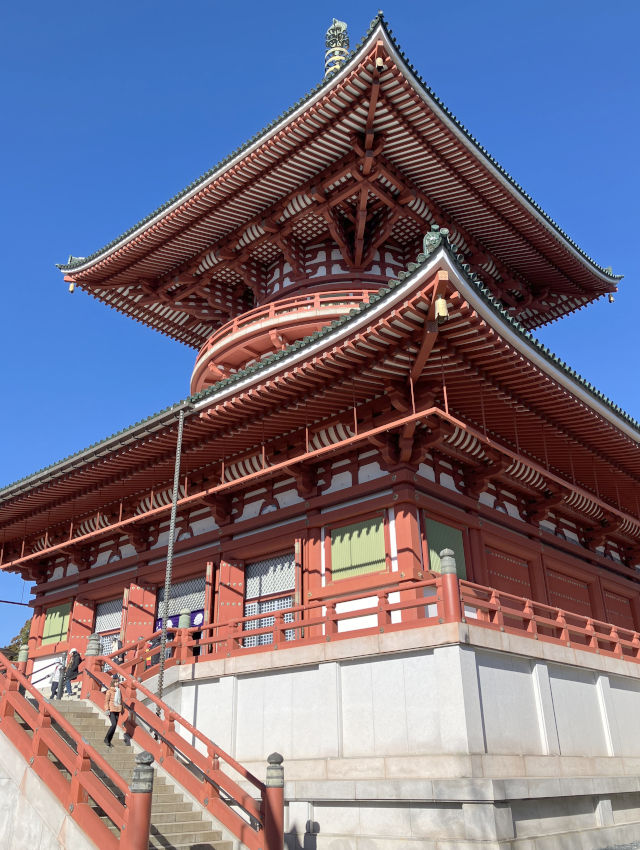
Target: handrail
column 516, row 614
column 82, row 784
column 312, row 300
column 319, row 620
column 213, row 787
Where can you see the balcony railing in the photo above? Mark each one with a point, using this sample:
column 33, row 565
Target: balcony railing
column 403, row 604
column 343, row 300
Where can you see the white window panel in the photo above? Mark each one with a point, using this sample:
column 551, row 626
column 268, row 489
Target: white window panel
column 183, row 594
column 273, row 575
column 108, row 616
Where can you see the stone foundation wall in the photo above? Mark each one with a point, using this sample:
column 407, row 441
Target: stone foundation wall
column 31, row 817
column 437, row 737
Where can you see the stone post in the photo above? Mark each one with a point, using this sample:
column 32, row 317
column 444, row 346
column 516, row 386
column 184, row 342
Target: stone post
column 274, row 804
column 136, row 834
column 181, row 651
column 452, row 611
column 23, row 656
column 90, row 666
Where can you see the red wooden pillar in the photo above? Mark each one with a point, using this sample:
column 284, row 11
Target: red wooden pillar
column 408, row 540
column 409, row 548
column 596, row 598
column 141, row 613
column 312, row 571
column 81, row 625
column 35, row 635
column 477, row 569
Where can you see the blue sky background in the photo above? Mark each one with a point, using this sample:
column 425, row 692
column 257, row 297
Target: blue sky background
column 107, row 111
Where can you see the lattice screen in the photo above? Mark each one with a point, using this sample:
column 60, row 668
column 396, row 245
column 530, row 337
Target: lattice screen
column 107, row 646
column 273, row 575
column 108, row 616
column 262, row 607
column 184, row 594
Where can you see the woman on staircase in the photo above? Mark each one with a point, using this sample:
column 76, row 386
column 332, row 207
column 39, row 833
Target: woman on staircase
column 113, row 707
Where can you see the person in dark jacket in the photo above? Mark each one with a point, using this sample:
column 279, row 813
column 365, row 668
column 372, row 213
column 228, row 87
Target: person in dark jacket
column 71, row 671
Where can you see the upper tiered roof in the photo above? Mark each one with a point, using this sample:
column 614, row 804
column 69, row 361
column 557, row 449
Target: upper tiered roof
column 185, row 269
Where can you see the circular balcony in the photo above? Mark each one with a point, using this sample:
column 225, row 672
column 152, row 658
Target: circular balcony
column 254, row 335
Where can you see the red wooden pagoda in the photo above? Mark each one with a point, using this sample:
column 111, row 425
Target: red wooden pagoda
column 360, row 282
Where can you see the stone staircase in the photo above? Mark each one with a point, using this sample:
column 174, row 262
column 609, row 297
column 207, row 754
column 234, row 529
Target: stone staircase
column 176, row 822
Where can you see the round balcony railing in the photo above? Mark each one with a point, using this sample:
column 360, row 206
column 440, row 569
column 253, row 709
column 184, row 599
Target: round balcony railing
column 271, row 327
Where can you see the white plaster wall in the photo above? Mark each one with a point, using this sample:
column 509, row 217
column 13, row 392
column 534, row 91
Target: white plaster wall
column 30, row 815
column 388, row 706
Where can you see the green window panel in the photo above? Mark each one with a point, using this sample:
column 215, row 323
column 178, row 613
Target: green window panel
column 358, row 549
column 441, row 536
column 56, row 623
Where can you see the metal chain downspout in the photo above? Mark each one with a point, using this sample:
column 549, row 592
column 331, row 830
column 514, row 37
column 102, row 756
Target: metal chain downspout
column 168, row 571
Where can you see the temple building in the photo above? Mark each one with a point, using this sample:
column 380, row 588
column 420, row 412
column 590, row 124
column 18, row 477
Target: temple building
column 361, row 283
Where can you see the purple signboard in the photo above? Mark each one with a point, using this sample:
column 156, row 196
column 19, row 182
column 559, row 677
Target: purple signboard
column 196, row 618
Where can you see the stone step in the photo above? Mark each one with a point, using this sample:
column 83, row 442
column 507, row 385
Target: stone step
column 165, row 807
column 189, row 839
column 169, row 828
column 171, row 816
column 176, row 823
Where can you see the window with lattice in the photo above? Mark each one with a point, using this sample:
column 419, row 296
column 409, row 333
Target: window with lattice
column 358, row 549
column 266, row 586
column 183, row 596
column 108, row 616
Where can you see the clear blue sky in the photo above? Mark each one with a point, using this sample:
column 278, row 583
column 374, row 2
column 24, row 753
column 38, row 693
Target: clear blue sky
column 109, row 110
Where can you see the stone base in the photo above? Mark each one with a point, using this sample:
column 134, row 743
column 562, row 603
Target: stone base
column 520, row 814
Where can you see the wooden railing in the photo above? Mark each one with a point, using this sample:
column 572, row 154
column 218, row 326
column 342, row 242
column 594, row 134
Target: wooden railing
column 396, row 606
column 201, row 767
column 341, row 299
column 72, row 770
column 514, row 614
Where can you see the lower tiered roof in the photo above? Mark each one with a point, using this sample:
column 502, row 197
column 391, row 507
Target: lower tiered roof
column 482, row 374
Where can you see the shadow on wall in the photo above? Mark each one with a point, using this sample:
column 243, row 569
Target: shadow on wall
column 292, row 841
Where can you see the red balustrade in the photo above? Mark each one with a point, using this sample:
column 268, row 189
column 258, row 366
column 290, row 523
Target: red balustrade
column 287, row 306
column 71, row 768
column 202, row 768
column 437, row 599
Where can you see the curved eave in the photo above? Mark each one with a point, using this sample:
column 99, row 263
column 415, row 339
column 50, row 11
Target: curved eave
column 378, row 31
column 164, row 422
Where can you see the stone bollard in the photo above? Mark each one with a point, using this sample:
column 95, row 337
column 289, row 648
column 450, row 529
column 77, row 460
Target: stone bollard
column 89, row 684
column 450, row 587
column 136, row 835
column 274, row 803
column 93, row 645
column 23, row 656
